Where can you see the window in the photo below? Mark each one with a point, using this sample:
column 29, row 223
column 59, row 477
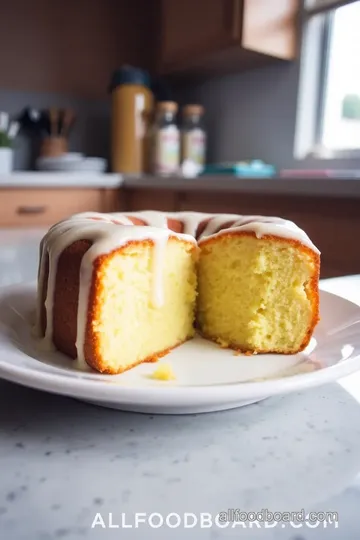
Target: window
column 329, row 94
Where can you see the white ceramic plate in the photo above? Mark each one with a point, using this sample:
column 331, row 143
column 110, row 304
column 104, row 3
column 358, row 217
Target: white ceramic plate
column 208, row 378
column 72, row 162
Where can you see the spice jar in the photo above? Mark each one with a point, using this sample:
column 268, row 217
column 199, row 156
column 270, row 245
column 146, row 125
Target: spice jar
column 193, row 136
column 165, row 140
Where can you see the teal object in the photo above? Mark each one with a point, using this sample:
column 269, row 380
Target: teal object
column 248, row 169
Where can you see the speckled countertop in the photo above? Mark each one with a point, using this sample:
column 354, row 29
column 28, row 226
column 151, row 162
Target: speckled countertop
column 65, row 465
column 322, row 187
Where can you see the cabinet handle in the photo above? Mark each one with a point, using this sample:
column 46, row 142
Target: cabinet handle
column 31, row 210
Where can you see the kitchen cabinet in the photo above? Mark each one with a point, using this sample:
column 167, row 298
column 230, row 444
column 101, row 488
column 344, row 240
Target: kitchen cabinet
column 225, row 34
column 145, row 199
column 43, row 207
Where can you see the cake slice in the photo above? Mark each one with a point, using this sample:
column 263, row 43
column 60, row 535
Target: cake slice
column 132, row 319
column 258, row 292
column 116, row 308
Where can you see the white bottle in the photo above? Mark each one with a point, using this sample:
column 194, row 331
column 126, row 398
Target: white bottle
column 193, row 136
column 166, row 140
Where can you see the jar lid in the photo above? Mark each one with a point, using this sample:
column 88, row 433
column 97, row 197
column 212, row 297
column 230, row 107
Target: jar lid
column 193, row 110
column 167, row 106
column 129, row 75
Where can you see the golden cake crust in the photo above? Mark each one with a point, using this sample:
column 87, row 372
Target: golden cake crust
column 66, row 296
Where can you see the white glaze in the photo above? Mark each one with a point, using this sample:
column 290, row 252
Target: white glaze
column 261, row 226
column 108, row 232
column 106, row 236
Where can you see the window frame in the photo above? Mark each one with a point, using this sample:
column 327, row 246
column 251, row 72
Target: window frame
column 314, row 64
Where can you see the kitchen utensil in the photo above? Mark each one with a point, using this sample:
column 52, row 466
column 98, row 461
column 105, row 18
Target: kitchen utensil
column 30, row 120
column 54, row 117
column 67, row 120
column 4, row 121
column 13, row 130
column 53, row 146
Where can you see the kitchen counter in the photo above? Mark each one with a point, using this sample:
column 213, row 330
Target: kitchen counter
column 325, row 187
column 63, row 462
column 60, row 180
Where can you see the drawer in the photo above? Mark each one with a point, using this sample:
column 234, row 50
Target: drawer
column 36, row 207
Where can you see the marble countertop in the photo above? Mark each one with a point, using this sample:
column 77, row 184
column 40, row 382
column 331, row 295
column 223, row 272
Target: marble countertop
column 66, row 465
column 47, row 180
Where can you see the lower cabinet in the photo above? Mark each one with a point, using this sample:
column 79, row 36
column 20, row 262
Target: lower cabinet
column 38, row 207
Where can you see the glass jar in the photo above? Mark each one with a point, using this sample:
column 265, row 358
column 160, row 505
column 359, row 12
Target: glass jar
column 193, row 136
column 165, row 140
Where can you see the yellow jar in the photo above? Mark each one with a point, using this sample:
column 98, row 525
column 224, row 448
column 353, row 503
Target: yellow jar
column 132, row 104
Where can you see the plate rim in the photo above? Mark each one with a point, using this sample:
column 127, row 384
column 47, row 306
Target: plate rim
column 107, row 390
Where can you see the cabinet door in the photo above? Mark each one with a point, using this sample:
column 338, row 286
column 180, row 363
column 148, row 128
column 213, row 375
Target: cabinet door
column 192, row 28
column 36, row 207
column 269, row 27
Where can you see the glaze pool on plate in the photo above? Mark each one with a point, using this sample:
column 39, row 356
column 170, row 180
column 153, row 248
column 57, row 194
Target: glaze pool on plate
column 208, row 378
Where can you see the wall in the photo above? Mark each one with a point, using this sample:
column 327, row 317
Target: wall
column 249, row 115
column 253, row 115
column 62, row 54
column 70, row 47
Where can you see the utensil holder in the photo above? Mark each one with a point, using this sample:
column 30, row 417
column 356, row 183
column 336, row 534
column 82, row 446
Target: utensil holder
column 6, row 160
column 53, row 147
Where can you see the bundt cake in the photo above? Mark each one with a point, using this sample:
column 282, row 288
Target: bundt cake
column 116, row 290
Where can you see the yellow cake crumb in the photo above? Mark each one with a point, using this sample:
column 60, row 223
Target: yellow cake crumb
column 164, row 372
column 256, row 294
column 223, row 344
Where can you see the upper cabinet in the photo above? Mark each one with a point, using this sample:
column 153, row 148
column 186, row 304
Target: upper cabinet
column 194, row 28
column 217, row 35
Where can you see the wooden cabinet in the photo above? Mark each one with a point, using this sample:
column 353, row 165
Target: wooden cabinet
column 270, row 27
column 43, row 207
column 146, row 199
column 222, row 34
column 185, row 36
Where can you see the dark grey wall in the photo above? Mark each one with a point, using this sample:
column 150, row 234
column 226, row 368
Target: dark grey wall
column 249, row 115
column 91, row 132
column 253, row 115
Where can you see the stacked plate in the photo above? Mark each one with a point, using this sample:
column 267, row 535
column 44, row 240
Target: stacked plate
column 71, row 162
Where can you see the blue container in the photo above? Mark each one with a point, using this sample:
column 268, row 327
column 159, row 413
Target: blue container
column 242, row 169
